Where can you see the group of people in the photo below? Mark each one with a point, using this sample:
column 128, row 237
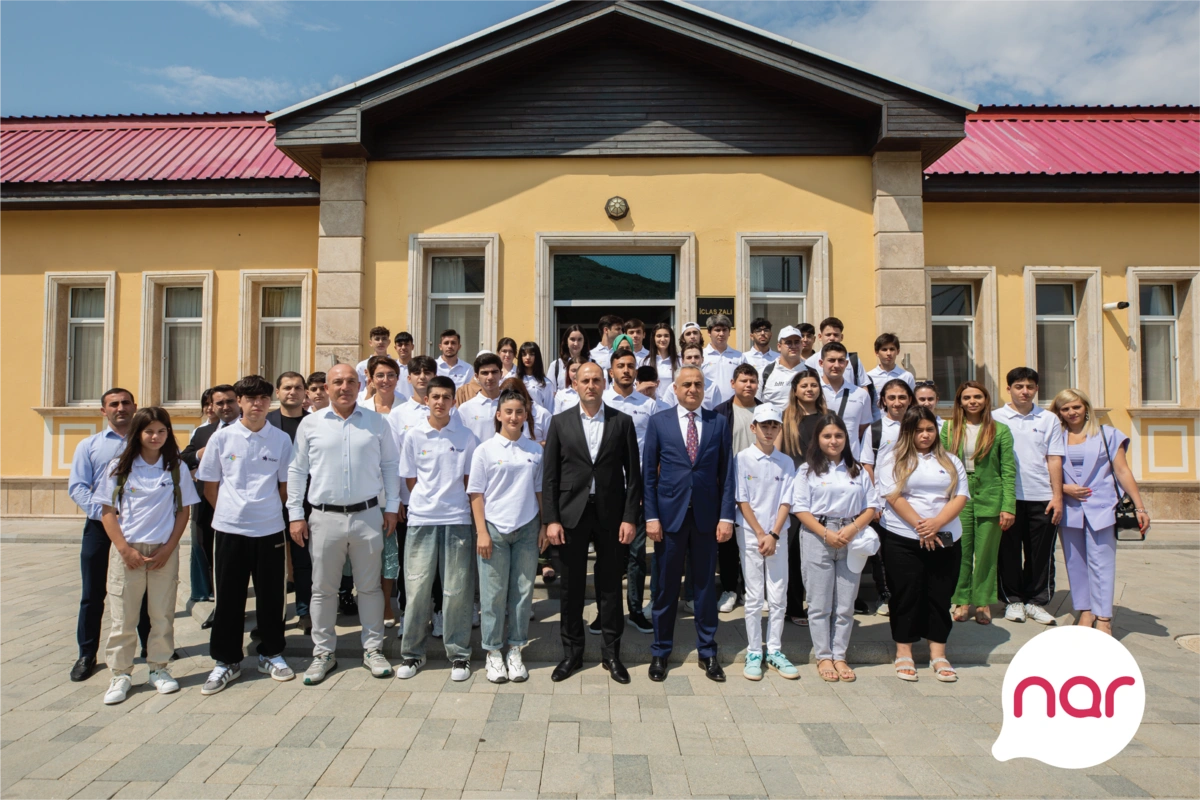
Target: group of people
column 440, row 490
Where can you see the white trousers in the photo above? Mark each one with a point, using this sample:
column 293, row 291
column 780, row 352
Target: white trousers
column 831, row 586
column 766, row 579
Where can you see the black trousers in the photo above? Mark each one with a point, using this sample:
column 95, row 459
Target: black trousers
column 93, row 568
column 1031, row 536
column 238, row 558
column 922, row 583
column 795, row 590
column 729, row 566
column 612, row 558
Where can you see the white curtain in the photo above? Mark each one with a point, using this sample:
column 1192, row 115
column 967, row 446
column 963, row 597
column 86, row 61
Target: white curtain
column 281, row 301
column 280, row 350
column 449, row 276
column 182, row 349
column 87, row 361
column 186, row 302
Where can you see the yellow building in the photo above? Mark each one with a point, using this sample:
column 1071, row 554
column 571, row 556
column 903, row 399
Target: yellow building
column 470, row 188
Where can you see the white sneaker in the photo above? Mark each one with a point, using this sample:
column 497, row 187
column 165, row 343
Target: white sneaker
column 409, row 667
column 380, row 667
column 460, row 670
column 727, row 602
column 516, row 667
column 1014, row 612
column 475, row 618
column 1039, row 614
column 119, row 689
column 276, row 667
column 495, row 667
column 161, row 680
column 437, row 624
column 321, row 666
column 883, row 609
column 221, row 676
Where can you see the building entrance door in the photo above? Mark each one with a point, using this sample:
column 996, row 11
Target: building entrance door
column 588, row 286
column 587, row 318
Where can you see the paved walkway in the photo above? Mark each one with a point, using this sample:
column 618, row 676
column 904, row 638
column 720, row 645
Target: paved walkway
column 354, row 736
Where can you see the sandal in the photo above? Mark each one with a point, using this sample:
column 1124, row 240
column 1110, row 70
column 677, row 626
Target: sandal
column 548, row 574
column 829, row 674
column 845, row 675
column 801, row 621
column 983, row 615
column 903, row 672
column 961, row 613
column 944, row 674
column 1090, row 624
column 1106, row 622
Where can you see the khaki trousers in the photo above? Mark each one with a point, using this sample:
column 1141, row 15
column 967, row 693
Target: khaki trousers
column 126, row 588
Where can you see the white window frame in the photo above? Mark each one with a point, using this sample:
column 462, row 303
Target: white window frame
column 422, row 247
column 812, row 246
column 985, row 324
column 251, row 324
column 74, row 323
column 154, row 284
column 56, row 341
column 1187, row 348
column 176, row 322
column 1088, row 330
column 958, row 321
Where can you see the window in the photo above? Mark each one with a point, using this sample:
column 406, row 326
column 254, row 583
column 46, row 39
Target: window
column 85, row 345
column 456, row 295
column 182, row 322
column 628, row 285
column 778, row 288
column 274, row 331
column 177, row 332
column 952, row 312
column 1156, row 306
column 1055, row 306
column 280, row 331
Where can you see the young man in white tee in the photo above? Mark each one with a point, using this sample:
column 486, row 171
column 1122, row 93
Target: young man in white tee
column 850, row 402
column 479, row 413
column 720, row 360
column 380, row 337
column 761, row 354
column 776, row 385
column 610, row 328
column 832, row 330
column 449, row 364
column 887, row 349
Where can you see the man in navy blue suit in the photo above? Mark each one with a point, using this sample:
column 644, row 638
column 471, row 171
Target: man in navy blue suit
column 687, row 471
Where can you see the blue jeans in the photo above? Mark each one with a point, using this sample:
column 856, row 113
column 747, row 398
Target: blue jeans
column 452, row 548
column 506, row 585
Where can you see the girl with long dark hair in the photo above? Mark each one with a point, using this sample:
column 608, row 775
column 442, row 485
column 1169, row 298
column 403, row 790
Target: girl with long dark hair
column 532, row 371
column 806, row 405
column 572, row 345
column 664, row 354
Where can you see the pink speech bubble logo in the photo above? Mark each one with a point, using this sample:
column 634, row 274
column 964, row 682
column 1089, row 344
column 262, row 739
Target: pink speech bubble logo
column 1073, row 698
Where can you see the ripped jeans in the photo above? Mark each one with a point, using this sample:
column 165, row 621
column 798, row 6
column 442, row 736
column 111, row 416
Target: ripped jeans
column 453, row 548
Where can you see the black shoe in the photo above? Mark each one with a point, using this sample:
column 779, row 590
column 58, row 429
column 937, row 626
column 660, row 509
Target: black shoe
column 658, row 668
column 712, row 669
column 83, row 668
column 565, row 669
column 208, row 623
column 640, row 622
column 594, row 627
column 254, row 634
column 174, row 656
column 305, row 625
column 860, row 607
column 616, row 669
column 347, row 605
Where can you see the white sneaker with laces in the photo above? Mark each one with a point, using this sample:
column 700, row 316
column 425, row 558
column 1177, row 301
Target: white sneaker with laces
column 516, row 667
column 884, row 609
column 276, row 667
column 321, row 666
column 409, row 667
column 437, row 624
column 475, row 618
column 375, row 661
column 161, row 680
column 460, row 670
column 221, row 676
column 118, row 690
column 1014, row 612
column 495, row 667
column 727, row 603
column 1039, row 614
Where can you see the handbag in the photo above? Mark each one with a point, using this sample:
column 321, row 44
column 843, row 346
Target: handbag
column 1126, row 511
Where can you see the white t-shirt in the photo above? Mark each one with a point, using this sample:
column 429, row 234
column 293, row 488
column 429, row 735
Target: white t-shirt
column 1036, row 435
column 833, row 494
column 439, row 460
column 508, row 474
column 889, row 435
column 777, row 387
column 479, row 415
column 857, row 412
column 666, row 374
column 925, row 491
column 541, row 422
column 540, row 394
column 402, row 419
column 564, row 399
column 249, row 465
column 147, row 511
column 602, row 355
column 461, row 373
column 765, row 483
column 718, row 367
column 637, row 406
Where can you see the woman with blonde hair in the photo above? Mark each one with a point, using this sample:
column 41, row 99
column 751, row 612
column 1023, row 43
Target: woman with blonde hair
column 806, row 405
column 925, row 489
column 986, row 449
column 1092, row 470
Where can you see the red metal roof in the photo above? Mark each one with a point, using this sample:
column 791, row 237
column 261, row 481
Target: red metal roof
column 1050, row 140
column 168, row 147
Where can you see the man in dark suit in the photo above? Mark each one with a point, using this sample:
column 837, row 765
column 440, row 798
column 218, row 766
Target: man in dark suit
column 687, row 467
column 591, row 491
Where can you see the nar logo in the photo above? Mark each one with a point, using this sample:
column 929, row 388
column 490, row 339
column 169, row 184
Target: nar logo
column 1073, row 698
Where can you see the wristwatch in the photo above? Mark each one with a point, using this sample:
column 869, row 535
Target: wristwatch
column 774, row 534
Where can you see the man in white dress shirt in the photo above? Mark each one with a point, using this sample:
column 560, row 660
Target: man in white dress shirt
column 850, row 402
column 720, row 360
column 610, row 328
column 761, row 354
column 449, row 364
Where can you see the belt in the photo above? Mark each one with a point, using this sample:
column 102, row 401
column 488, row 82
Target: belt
column 350, row 509
column 839, row 521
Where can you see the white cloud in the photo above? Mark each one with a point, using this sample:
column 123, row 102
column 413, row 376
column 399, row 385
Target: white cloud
column 192, row 88
column 257, row 15
column 1007, row 52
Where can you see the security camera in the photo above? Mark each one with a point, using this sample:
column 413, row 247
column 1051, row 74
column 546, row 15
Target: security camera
column 1119, row 306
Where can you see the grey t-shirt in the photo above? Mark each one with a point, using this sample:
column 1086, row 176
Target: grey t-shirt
column 742, row 435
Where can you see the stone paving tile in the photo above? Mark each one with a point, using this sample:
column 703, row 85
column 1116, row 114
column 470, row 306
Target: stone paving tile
column 590, row 774
column 153, row 762
column 291, row 765
column 442, row 770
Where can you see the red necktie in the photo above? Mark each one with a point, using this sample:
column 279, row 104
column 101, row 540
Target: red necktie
column 693, row 440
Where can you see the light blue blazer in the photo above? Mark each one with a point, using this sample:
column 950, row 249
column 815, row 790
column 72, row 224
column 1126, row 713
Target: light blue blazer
column 1099, row 510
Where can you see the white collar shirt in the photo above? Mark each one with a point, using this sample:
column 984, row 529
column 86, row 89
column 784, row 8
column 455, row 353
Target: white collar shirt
column 509, row 476
column 461, row 373
column 402, row 419
column 682, row 414
column 602, row 355
column 718, row 367
column 147, row 512
column 857, row 411
column 564, row 399
column 643, row 357
column 764, row 482
column 666, row 372
column 541, row 423
column 344, row 461
column 593, row 431
column 637, row 406
column 439, row 460
column 776, row 388
column 479, row 415
column 542, row 394
column 834, row 495
column 88, row 465
column 759, row 360
column 925, row 491
column 404, row 389
column 859, row 376
column 1036, row 436
column 249, row 465
column 889, row 434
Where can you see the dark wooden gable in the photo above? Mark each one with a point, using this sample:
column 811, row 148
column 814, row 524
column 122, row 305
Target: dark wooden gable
column 618, row 98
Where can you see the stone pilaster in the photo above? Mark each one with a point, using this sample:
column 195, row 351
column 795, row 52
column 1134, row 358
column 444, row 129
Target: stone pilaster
column 900, row 303
column 340, row 262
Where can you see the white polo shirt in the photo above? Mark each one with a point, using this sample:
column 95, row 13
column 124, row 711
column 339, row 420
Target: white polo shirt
column 461, row 373
column 760, row 360
column 643, row 357
column 602, row 355
column 834, row 494
column 564, row 399
column 406, row 416
column 479, row 415
column 1036, row 435
column 249, row 465
column 889, row 435
column 925, row 491
column 508, row 474
column 541, row 395
column 666, row 374
column 637, row 406
column 147, row 512
column 718, row 367
column 857, row 412
column 541, row 422
column 777, row 387
column 439, row 460
column 765, row 482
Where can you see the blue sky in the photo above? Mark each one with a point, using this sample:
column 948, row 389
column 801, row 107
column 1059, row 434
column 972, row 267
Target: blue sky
column 141, row 57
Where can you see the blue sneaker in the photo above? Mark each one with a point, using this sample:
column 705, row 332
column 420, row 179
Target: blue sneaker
column 753, row 670
column 779, row 662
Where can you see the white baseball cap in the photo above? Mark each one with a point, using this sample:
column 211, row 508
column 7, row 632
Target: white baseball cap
column 786, row 331
column 688, row 325
column 861, row 546
column 766, row 413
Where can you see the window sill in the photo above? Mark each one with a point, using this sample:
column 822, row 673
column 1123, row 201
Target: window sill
column 1175, row 412
column 70, row 411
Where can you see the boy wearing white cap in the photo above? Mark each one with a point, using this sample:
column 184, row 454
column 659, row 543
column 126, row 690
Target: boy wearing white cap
column 764, row 497
column 776, row 385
